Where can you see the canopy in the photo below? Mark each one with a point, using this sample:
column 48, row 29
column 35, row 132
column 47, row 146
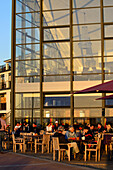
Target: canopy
column 101, row 88
column 106, row 97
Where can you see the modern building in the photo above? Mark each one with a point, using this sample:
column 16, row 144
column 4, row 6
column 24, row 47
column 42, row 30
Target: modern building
column 59, row 47
column 5, row 90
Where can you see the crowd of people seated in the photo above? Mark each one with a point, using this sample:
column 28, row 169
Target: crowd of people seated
column 74, row 133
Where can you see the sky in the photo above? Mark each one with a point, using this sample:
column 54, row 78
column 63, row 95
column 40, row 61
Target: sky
column 5, row 30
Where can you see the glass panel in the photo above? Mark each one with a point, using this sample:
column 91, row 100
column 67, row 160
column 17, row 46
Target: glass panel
column 108, row 64
column 56, row 100
column 23, row 113
column 49, row 113
column 56, row 78
column 27, row 6
column 27, row 68
column 108, row 47
column 108, row 17
column 84, row 16
column 56, row 50
column 27, row 100
column 56, row 34
column 107, row 2
column 56, row 18
column 24, row 36
column 108, row 76
column 86, row 32
column 88, row 112
column 108, row 31
column 85, row 3
column 53, row 4
column 27, row 20
column 27, row 79
column 84, row 81
column 109, row 112
column 36, row 113
column 87, row 100
column 87, row 48
column 24, row 52
column 58, row 66
column 87, row 65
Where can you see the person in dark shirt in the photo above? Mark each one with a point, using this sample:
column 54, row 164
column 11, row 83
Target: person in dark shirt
column 61, row 137
column 35, row 129
column 108, row 128
column 100, row 128
column 87, row 133
column 92, row 129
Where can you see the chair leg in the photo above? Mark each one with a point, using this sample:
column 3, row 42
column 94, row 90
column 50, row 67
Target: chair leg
column 74, row 155
column 31, row 146
column 106, row 148
column 99, row 155
column 85, row 153
column 59, row 155
column 54, row 155
column 62, row 155
column 89, row 155
column 42, row 148
column 48, row 148
column 35, row 148
column 96, row 156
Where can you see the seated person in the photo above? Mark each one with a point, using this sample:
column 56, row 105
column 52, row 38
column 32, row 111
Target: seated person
column 92, row 129
column 70, row 134
column 17, row 129
column 35, row 129
column 49, row 128
column 100, row 128
column 61, row 137
column 87, row 133
column 56, row 126
column 108, row 128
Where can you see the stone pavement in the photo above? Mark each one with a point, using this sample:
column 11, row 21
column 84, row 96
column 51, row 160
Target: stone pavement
column 15, row 161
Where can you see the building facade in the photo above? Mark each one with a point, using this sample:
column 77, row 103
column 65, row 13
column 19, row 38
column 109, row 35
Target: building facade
column 59, row 47
column 5, row 90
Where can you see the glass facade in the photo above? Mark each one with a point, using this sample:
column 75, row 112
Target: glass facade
column 61, row 46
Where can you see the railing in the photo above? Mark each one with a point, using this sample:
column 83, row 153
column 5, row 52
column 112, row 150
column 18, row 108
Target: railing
column 3, row 68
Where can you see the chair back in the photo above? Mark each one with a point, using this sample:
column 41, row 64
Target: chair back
column 13, row 137
column 55, row 143
column 98, row 143
column 46, row 139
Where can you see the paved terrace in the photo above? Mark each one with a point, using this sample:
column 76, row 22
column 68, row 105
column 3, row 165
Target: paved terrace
column 30, row 160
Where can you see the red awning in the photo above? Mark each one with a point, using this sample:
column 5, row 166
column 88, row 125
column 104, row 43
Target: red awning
column 101, row 88
column 106, row 97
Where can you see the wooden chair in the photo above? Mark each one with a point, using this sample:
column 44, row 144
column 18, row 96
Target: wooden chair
column 6, row 142
column 56, row 147
column 20, row 142
column 90, row 148
column 44, row 142
column 111, row 149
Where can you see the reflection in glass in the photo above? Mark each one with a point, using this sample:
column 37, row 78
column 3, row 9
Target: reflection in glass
column 88, row 113
column 56, row 50
column 87, row 65
column 56, row 18
column 27, row 100
column 108, row 31
column 56, row 34
column 108, row 64
column 108, row 76
column 24, row 52
column 27, row 6
column 87, row 100
column 108, row 14
column 53, row 4
column 27, row 68
column 27, row 36
column 108, row 47
column 56, row 78
column 87, row 48
column 23, row 113
column 50, row 113
column 57, row 66
column 27, row 20
column 56, row 100
column 85, row 3
column 32, row 79
column 86, row 16
column 87, row 32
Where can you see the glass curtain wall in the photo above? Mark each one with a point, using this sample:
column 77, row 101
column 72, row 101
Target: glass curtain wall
column 61, row 46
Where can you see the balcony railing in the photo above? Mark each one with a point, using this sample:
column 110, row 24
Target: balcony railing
column 3, row 68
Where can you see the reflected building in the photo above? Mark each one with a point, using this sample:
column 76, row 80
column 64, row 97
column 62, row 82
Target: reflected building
column 59, row 47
